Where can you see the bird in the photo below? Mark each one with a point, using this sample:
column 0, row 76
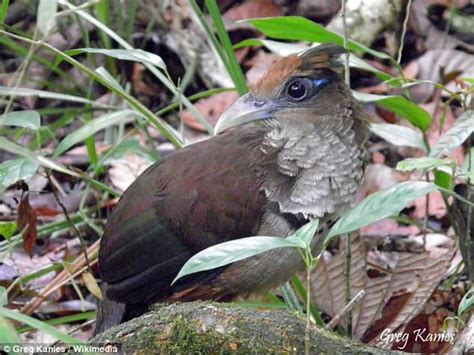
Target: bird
column 290, row 150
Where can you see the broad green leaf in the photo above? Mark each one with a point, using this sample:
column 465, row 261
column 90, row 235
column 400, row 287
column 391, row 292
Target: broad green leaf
column 27, row 119
column 467, row 302
column 24, row 92
column 425, row 163
column 444, row 179
column 284, row 49
column 91, row 128
column 382, row 204
column 462, row 128
column 401, row 106
column 399, row 135
column 229, row 252
column 37, row 324
column 301, row 29
column 46, row 18
column 306, row 233
column 134, row 55
column 8, row 335
column 7, row 229
column 468, row 80
column 16, row 169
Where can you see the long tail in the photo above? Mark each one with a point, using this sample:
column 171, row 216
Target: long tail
column 110, row 313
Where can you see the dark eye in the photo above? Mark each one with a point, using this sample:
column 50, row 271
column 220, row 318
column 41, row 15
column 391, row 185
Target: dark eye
column 298, row 89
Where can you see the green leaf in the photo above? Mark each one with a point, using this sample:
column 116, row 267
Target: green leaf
column 305, row 234
column 14, row 170
column 108, row 77
column 399, row 135
column 134, row 55
column 230, row 60
column 8, row 335
column 3, row 297
column 444, row 180
column 462, row 128
column 467, row 302
column 229, row 252
column 7, row 229
column 416, row 115
column 425, row 163
column 382, row 204
column 356, row 62
column 127, row 146
column 27, row 118
column 91, row 128
column 46, row 18
column 13, row 148
column 24, row 92
column 37, row 324
column 4, row 9
column 164, row 129
column 301, row 29
column 73, row 318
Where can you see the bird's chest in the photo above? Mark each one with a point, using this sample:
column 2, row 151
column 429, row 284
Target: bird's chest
column 314, row 174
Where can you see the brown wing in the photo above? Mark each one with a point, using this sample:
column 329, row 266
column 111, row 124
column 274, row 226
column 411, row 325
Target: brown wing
column 202, row 195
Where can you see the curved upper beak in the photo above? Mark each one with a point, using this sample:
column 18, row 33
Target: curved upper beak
column 244, row 110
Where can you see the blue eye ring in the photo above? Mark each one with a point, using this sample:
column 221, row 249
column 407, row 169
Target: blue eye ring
column 320, row 83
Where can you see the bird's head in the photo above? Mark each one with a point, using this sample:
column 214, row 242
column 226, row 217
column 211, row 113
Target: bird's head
column 308, row 86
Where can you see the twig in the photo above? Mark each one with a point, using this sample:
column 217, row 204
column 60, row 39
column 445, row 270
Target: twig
column 307, row 334
column 66, row 215
column 404, row 32
column 348, row 260
column 76, row 268
column 348, row 308
column 347, row 76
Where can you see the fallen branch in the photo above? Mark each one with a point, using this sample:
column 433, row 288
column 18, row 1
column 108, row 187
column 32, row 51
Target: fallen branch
column 213, row 328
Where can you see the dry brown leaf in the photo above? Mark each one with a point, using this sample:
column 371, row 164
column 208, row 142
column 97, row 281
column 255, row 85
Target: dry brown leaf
column 91, row 283
column 328, row 280
column 26, row 223
column 253, row 9
column 429, row 65
column 397, row 284
column 125, row 170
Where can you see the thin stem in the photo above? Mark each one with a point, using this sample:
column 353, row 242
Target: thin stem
column 404, row 32
column 347, row 76
column 348, row 262
column 307, row 335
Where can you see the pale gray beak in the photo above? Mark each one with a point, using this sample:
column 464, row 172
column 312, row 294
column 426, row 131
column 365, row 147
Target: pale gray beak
column 244, row 110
